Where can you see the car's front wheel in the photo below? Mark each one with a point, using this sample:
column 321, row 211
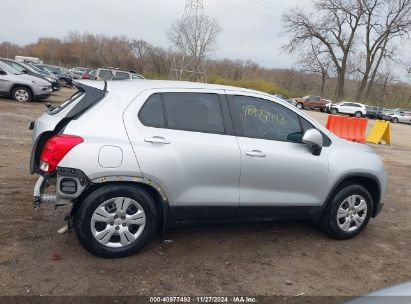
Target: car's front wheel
column 334, row 111
column 395, row 120
column 300, row 106
column 348, row 213
column 21, row 94
column 116, row 221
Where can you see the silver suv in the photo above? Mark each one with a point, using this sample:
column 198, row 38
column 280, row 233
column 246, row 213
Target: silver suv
column 131, row 158
column 20, row 86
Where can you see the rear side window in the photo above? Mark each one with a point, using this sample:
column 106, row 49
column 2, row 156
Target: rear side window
column 122, row 75
column 151, row 114
column 199, row 112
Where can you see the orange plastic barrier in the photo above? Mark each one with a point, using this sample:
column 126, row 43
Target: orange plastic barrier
column 349, row 128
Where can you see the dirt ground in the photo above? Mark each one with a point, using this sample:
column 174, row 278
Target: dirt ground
column 275, row 258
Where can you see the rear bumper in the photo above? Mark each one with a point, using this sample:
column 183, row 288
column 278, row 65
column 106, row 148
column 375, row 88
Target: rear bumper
column 68, row 185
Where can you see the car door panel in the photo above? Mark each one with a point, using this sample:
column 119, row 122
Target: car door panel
column 195, row 169
column 277, row 173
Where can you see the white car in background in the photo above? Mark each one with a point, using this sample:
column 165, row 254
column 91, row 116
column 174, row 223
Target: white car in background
column 347, row 107
column 401, row 117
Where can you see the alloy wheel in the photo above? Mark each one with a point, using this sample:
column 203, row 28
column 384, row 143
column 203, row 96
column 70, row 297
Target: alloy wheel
column 118, row 222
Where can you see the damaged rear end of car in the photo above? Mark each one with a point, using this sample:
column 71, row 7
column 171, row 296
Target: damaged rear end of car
column 50, row 145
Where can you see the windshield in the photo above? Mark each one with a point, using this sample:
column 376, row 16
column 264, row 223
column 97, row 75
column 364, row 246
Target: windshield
column 9, row 69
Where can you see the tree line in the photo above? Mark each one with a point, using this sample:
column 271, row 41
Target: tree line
column 91, row 50
column 350, row 39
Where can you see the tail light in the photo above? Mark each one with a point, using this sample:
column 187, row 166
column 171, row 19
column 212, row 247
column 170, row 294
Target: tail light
column 86, row 76
column 55, row 149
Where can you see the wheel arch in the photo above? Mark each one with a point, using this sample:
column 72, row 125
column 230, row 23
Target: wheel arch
column 161, row 204
column 368, row 181
column 16, row 85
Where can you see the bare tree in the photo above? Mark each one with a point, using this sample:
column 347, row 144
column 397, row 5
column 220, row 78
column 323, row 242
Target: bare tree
column 140, row 49
column 333, row 25
column 195, row 37
column 385, row 21
column 316, row 61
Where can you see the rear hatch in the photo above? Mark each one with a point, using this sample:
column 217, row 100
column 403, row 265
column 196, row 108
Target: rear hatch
column 55, row 119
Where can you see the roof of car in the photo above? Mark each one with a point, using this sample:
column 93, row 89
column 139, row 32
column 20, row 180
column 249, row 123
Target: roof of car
column 144, row 84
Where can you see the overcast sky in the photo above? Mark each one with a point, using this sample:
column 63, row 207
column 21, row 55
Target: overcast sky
column 251, row 28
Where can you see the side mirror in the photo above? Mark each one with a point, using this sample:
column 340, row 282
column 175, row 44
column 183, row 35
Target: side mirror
column 2, row 72
column 24, row 71
column 314, row 139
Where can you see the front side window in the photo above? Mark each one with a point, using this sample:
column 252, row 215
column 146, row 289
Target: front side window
column 199, row 112
column 260, row 118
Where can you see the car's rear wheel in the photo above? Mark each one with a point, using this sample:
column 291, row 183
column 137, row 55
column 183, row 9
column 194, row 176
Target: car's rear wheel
column 348, row 213
column 322, row 110
column 116, row 221
column 22, row 94
column 358, row 114
column 395, row 120
column 300, row 106
column 63, row 82
column 334, row 111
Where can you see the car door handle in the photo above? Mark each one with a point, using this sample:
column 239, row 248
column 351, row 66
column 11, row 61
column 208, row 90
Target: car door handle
column 157, row 140
column 256, row 153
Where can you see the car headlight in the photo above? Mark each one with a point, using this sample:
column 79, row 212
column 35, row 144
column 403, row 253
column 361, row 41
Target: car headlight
column 37, row 82
column 49, row 79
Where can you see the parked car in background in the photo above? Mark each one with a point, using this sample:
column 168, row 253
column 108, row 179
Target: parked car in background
column 236, row 153
column 387, row 113
column 90, row 75
column 27, row 59
column 61, row 74
column 78, row 72
column 116, row 74
column 404, row 117
column 33, row 71
column 347, row 107
column 372, row 111
column 20, row 86
column 311, row 102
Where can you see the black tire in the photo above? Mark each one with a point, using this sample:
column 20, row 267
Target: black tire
column 334, row 111
column 63, row 82
column 358, row 114
column 82, row 220
column 328, row 221
column 300, row 105
column 15, row 95
column 322, row 110
column 394, row 120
